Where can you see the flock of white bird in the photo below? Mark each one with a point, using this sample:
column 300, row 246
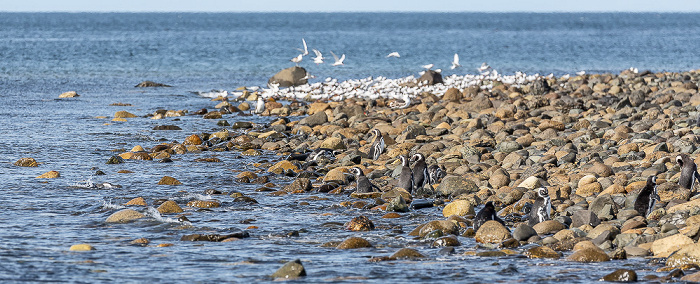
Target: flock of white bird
column 380, row 87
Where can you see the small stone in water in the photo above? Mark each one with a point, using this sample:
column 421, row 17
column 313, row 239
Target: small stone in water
column 81, row 247
column 621, row 275
column 292, row 269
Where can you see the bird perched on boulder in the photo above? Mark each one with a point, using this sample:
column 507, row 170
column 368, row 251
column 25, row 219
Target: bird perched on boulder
column 378, row 145
column 363, row 183
column 542, row 208
column 406, row 177
column 487, row 213
column 421, row 176
column 646, row 200
column 689, row 171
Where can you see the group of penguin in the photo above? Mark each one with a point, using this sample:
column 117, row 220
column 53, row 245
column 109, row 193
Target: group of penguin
column 422, row 175
column 411, row 180
column 644, row 203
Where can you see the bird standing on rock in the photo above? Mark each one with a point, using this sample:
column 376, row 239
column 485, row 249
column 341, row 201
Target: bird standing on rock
column 542, row 208
column 487, row 213
column 406, row 177
column 378, row 146
column 363, row 183
column 260, row 105
column 421, row 177
column 435, row 173
column 689, row 171
column 646, row 200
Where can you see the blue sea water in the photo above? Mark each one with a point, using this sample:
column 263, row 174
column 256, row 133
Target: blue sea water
column 102, row 57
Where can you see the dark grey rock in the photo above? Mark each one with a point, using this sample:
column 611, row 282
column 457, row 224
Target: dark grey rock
column 292, row 76
column 523, row 232
column 583, row 217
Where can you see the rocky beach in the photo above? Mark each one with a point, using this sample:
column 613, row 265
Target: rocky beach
column 592, row 140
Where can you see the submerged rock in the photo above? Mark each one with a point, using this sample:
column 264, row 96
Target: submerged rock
column 621, row 275
column 290, row 270
column 354, row 243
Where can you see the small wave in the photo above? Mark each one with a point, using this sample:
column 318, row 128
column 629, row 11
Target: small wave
column 153, row 213
column 213, row 94
column 195, row 196
column 110, row 205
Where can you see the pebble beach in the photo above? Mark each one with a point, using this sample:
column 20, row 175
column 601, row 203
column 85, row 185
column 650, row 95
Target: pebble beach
column 591, row 140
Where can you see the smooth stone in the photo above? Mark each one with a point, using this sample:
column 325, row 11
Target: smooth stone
column 446, row 241
column 458, row 207
column 548, row 227
column 290, row 270
column 204, row 204
column 523, row 232
column 668, row 245
column 542, row 252
column 492, row 232
column 124, row 215
column 584, row 217
column 124, row 114
column 354, row 243
column 621, row 275
column 81, row 247
column 50, row 174
column 407, row 253
column 138, row 201
column 166, row 180
column 169, row 207
column 447, row 227
column 589, row 254
column 69, row 94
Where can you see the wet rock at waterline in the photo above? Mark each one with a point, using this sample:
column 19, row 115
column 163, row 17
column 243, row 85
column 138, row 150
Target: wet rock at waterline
column 290, row 270
column 124, row 215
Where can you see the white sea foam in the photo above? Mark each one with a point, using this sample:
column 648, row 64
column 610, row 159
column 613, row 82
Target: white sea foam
column 110, row 205
column 153, row 213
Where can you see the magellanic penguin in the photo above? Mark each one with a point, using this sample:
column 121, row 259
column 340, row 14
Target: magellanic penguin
column 421, row 177
column 260, row 105
column 406, row 177
column 435, row 173
column 378, row 145
column 689, row 171
column 542, row 208
column 647, row 198
column 486, row 214
column 363, row 183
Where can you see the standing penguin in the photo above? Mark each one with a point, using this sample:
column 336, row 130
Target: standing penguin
column 378, row 145
column 406, row 177
column 363, row 183
column 435, row 173
column 689, row 171
column 421, row 177
column 647, row 198
column 486, row 214
column 542, row 208
column 260, row 105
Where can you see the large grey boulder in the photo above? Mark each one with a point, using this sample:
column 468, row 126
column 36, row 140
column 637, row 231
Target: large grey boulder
column 431, row 77
column 292, row 76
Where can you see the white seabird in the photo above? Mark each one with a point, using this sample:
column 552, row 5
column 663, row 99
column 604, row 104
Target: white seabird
column 319, row 57
column 338, row 61
column 260, row 105
column 455, row 62
column 297, row 59
column 394, row 54
column 304, row 51
column 428, row 66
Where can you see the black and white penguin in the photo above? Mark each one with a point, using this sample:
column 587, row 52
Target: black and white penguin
column 542, row 208
column 647, row 198
column 378, row 145
column 421, row 177
column 260, row 105
column 486, row 214
column 435, row 173
column 363, row 183
column 406, row 177
column 689, row 171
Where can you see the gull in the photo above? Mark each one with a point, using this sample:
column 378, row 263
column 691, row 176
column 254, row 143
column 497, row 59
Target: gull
column 260, row 105
column 404, row 102
column 634, row 70
column 484, row 67
column 394, row 54
column 581, row 73
column 438, row 70
column 319, row 57
column 297, row 59
column 338, row 61
column 428, row 66
column 455, row 62
column 304, row 51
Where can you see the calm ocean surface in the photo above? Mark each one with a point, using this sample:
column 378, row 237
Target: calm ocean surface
column 102, row 57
